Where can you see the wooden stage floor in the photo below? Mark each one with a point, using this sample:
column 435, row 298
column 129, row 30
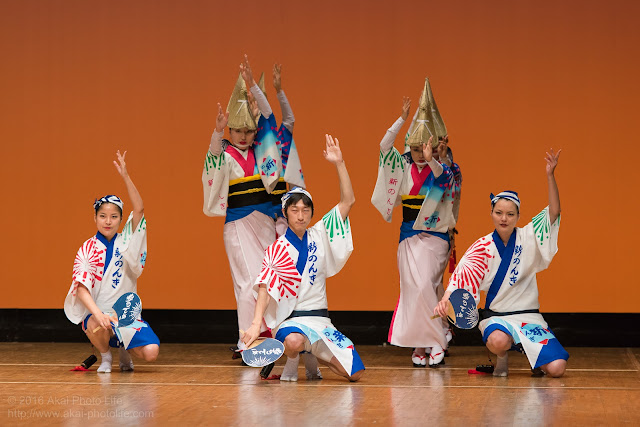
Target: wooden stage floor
column 199, row 384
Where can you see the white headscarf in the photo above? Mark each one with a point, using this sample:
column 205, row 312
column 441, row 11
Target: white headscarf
column 296, row 190
column 108, row 199
column 508, row 195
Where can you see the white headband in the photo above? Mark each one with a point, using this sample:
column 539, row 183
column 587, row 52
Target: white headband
column 508, row 195
column 297, row 190
column 107, row 199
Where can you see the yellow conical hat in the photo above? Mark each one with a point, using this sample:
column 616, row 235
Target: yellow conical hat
column 261, row 84
column 238, row 108
column 422, row 127
column 438, row 123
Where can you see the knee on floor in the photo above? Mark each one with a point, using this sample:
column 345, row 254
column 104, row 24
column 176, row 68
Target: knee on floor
column 355, row 376
column 556, row 368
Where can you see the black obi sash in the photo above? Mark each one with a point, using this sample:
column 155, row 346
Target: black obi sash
column 411, row 207
column 250, row 191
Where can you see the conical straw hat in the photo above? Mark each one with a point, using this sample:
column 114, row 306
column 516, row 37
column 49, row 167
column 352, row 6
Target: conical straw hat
column 238, row 108
column 441, row 129
column 423, row 127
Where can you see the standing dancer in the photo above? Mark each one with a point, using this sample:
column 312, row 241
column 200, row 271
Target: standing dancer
column 243, row 181
column 427, row 190
column 291, row 288
column 106, row 267
column 504, row 264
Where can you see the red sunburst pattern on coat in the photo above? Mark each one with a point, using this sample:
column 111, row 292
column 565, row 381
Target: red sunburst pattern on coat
column 89, row 263
column 279, row 272
column 472, row 267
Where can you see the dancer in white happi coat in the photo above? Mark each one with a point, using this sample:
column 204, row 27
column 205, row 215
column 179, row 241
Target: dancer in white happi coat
column 244, row 179
column 422, row 181
column 504, row 264
column 291, row 287
column 106, row 267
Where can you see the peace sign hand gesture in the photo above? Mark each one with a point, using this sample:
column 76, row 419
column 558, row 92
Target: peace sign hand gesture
column 120, row 165
column 552, row 161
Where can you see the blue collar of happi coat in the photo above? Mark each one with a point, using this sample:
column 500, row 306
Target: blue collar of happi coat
column 301, row 246
column 506, row 253
column 109, row 245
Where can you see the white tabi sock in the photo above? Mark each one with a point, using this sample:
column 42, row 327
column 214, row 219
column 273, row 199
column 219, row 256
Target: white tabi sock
column 502, row 366
column 105, row 363
column 126, row 364
column 311, row 367
column 290, row 371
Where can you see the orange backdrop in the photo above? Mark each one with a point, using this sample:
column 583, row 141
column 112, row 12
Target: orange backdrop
column 82, row 79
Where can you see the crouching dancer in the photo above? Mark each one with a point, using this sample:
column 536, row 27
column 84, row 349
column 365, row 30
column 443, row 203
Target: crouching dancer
column 291, row 287
column 504, row 264
column 106, row 267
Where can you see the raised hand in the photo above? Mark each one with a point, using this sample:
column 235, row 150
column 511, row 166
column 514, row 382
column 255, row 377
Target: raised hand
column 121, row 166
column 552, row 161
column 427, row 150
column 222, row 119
column 332, row 150
column 247, row 74
column 406, row 107
column 442, row 151
column 277, row 77
column 253, row 105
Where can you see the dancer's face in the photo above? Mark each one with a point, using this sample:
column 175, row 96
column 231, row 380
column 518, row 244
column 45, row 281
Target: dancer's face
column 108, row 219
column 505, row 215
column 417, row 155
column 242, row 138
column 299, row 217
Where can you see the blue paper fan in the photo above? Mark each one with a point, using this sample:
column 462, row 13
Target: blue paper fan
column 266, row 352
column 128, row 309
column 465, row 311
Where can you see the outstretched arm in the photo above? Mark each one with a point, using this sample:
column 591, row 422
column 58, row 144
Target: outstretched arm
column 392, row 132
column 287, row 114
column 554, row 195
column 215, row 146
column 260, row 99
column 134, row 195
column 87, row 300
column 333, row 154
column 253, row 332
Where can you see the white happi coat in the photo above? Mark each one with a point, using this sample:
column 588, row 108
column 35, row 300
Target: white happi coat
column 106, row 283
column 329, row 245
column 535, row 246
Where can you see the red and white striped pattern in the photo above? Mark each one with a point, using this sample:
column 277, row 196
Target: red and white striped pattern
column 279, row 272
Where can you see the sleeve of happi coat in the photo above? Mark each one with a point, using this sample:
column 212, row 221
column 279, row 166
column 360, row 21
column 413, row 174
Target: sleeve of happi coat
column 545, row 236
column 135, row 245
column 472, row 268
column 336, row 239
column 88, row 268
column 215, row 178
